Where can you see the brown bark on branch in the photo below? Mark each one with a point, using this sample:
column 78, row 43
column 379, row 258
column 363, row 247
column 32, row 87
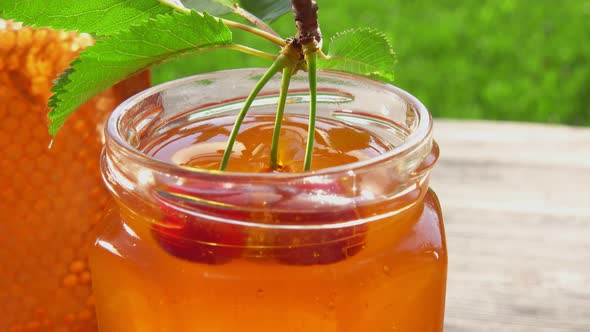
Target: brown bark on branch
column 306, row 20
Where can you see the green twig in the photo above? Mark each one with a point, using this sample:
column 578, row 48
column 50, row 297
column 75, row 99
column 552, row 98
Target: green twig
column 253, row 19
column 235, row 47
column 251, row 51
column 277, row 65
column 274, row 148
column 232, row 24
column 261, row 33
column 310, row 57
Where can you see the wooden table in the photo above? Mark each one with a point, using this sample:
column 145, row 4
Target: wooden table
column 516, row 200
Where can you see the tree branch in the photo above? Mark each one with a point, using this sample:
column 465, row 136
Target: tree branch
column 306, row 20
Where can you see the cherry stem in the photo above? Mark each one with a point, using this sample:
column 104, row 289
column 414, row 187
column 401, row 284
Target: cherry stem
column 277, row 65
column 309, row 37
column 310, row 57
column 274, row 148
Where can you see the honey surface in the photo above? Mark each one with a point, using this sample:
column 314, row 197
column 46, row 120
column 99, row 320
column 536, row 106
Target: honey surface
column 49, row 199
column 202, row 145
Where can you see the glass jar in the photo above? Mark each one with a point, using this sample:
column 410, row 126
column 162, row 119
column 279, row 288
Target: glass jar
column 355, row 247
column 49, row 198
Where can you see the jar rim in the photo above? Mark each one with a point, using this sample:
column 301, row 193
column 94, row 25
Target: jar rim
column 414, row 140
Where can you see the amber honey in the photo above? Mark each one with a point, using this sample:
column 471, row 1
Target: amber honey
column 49, row 198
column 349, row 247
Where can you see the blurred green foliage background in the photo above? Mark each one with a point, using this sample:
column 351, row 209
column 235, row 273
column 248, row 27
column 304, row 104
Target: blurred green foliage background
column 520, row 60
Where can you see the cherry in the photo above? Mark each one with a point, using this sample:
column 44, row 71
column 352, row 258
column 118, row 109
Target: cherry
column 321, row 246
column 195, row 225
column 206, row 234
column 318, row 245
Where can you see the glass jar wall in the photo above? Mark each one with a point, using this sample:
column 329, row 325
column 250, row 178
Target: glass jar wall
column 356, row 244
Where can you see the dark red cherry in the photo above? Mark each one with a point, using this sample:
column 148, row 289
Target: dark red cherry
column 197, row 228
column 197, row 224
column 321, row 245
column 315, row 245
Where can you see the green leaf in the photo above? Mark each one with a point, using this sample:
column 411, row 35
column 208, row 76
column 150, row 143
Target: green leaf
column 266, row 10
column 361, row 51
column 121, row 55
column 101, row 17
column 213, row 7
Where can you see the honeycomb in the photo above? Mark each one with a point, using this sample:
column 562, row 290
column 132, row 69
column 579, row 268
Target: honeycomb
column 50, row 199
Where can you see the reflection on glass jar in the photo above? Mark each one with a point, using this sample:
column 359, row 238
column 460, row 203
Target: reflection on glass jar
column 357, row 244
column 49, row 199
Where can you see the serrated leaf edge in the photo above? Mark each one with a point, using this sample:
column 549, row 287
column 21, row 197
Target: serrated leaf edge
column 368, row 29
column 60, row 84
column 4, row 10
column 377, row 33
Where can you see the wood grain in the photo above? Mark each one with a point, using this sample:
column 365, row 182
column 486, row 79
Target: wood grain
column 516, row 199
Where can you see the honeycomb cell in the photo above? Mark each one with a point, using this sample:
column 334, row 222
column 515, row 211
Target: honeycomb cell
column 44, row 232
